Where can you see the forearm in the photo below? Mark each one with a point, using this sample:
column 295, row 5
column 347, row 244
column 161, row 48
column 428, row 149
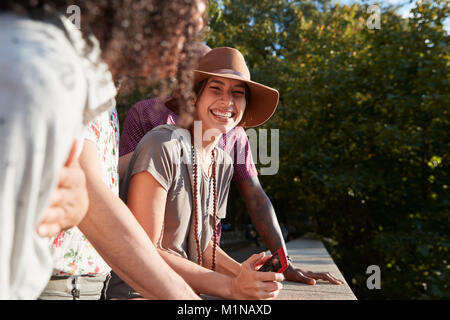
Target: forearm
column 202, row 280
column 124, row 161
column 264, row 219
column 147, row 200
column 124, row 245
column 224, row 263
column 262, row 213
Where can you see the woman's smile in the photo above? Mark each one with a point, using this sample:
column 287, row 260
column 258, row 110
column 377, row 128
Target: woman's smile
column 222, row 115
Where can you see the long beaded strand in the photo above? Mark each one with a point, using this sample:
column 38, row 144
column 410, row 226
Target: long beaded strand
column 195, row 172
column 197, row 241
column 214, row 209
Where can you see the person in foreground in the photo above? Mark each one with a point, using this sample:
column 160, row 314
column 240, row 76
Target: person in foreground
column 178, row 180
column 55, row 80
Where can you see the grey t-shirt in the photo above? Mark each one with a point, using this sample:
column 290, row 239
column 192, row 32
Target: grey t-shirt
column 165, row 152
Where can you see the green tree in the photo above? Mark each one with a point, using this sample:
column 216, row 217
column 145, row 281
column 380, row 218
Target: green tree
column 364, row 142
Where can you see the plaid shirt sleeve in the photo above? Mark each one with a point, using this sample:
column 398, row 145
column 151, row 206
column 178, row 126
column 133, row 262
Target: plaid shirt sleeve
column 132, row 131
column 244, row 166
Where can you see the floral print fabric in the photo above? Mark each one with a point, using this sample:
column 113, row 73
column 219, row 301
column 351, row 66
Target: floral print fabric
column 73, row 254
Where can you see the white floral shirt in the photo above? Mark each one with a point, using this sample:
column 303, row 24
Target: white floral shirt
column 72, row 253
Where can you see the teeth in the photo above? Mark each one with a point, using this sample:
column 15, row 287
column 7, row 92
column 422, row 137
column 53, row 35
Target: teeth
column 222, row 114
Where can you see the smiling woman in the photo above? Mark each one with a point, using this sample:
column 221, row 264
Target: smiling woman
column 177, row 183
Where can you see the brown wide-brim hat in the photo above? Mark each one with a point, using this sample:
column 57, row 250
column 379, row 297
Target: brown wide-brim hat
column 230, row 63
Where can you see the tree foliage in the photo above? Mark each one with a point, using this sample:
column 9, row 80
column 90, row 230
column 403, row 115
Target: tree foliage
column 364, row 122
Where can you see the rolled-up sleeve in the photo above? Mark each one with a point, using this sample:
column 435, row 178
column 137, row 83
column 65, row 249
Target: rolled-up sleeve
column 157, row 154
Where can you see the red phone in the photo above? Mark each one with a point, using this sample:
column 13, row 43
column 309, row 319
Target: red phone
column 277, row 263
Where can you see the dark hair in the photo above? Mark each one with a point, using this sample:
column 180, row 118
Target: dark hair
column 199, row 87
column 156, row 37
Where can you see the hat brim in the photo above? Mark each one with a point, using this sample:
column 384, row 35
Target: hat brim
column 263, row 99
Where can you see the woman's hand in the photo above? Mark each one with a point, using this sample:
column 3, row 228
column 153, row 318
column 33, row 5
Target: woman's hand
column 251, row 284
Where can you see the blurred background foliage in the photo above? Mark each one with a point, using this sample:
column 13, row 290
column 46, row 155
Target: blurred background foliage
column 364, row 132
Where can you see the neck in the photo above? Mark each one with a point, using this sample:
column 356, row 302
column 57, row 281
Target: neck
column 208, row 146
column 205, row 140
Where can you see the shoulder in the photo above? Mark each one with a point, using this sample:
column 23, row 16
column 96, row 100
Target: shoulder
column 146, row 115
column 164, row 137
column 238, row 133
column 37, row 59
column 38, row 45
column 42, row 84
column 241, row 135
column 166, row 133
column 146, row 104
column 104, row 123
column 152, row 109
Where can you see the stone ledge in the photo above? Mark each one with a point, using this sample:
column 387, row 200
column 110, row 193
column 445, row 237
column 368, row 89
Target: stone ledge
column 313, row 256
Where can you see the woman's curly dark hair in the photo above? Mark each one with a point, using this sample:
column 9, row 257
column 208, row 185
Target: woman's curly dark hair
column 152, row 41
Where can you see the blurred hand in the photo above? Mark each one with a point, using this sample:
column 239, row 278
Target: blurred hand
column 251, row 284
column 69, row 201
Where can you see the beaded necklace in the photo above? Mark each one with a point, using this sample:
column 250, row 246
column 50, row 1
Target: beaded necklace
column 195, row 196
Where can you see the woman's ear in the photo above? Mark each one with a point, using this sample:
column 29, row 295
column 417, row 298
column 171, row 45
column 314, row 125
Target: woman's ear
column 194, row 100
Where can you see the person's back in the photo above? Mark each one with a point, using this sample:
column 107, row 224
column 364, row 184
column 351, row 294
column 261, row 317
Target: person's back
column 40, row 115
